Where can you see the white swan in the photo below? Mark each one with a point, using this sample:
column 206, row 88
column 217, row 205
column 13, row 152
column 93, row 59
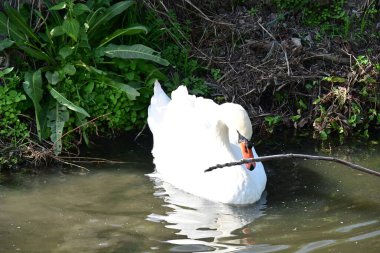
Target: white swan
column 191, row 134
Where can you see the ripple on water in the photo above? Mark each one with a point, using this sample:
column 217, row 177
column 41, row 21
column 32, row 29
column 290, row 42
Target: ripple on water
column 308, row 207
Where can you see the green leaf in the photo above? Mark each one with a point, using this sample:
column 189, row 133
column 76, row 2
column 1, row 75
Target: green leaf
column 152, row 72
column 130, row 75
column 58, row 7
column 64, row 101
column 33, row 88
column 53, row 78
column 56, row 118
column 367, row 79
column 88, row 88
column 43, row 121
column 56, row 18
column 9, row 29
column 79, row 9
column 334, row 79
column 128, row 31
column 83, row 42
column 82, row 122
column 131, row 92
column 302, row 104
column 3, row 24
column 5, row 43
column 137, row 51
column 71, row 28
column 96, row 71
column 57, row 31
column 17, row 19
column 315, row 102
column 93, row 16
column 91, row 68
column 323, row 135
column 273, row 120
column 295, row 118
column 66, row 51
column 33, row 85
column 69, row 69
column 98, row 20
column 6, row 71
column 49, row 76
column 40, row 55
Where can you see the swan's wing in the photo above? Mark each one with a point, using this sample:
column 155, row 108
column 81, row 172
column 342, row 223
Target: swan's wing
column 159, row 98
column 181, row 130
column 157, row 108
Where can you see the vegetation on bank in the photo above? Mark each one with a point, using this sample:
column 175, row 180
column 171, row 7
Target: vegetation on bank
column 68, row 76
column 345, row 100
column 71, row 70
column 302, row 64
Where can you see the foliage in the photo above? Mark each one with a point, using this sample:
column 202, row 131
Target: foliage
column 346, row 108
column 342, row 103
column 331, row 17
column 80, row 72
column 12, row 102
column 215, row 74
column 13, row 129
column 253, row 11
column 271, row 122
column 369, row 17
column 174, row 42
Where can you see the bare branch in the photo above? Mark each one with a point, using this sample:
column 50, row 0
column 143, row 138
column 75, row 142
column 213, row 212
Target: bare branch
column 282, row 47
column 302, row 156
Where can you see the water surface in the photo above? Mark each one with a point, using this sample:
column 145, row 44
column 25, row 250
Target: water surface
column 309, row 206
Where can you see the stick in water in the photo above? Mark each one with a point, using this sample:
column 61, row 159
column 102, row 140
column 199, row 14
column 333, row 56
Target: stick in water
column 302, row 156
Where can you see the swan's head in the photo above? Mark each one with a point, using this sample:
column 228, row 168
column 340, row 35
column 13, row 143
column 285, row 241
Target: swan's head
column 237, row 120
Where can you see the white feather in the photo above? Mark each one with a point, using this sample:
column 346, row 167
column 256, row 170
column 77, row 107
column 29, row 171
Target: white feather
column 191, row 134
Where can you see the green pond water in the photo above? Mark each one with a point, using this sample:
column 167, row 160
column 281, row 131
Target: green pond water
column 309, row 206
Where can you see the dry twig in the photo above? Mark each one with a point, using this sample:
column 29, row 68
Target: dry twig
column 78, row 127
column 302, row 156
column 282, row 47
column 203, row 15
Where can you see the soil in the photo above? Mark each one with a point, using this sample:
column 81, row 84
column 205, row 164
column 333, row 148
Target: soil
column 269, row 60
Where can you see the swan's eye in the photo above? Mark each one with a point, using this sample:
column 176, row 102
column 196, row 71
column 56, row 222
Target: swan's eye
column 241, row 137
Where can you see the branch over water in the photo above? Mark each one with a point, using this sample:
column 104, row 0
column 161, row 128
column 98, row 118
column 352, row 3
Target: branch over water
column 302, row 156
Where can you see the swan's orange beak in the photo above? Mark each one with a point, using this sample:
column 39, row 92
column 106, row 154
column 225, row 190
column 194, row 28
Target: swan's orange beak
column 247, row 153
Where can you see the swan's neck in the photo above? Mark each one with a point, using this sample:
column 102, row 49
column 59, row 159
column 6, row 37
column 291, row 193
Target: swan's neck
column 227, row 140
column 222, row 132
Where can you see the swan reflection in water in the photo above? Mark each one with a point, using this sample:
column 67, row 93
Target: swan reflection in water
column 208, row 225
